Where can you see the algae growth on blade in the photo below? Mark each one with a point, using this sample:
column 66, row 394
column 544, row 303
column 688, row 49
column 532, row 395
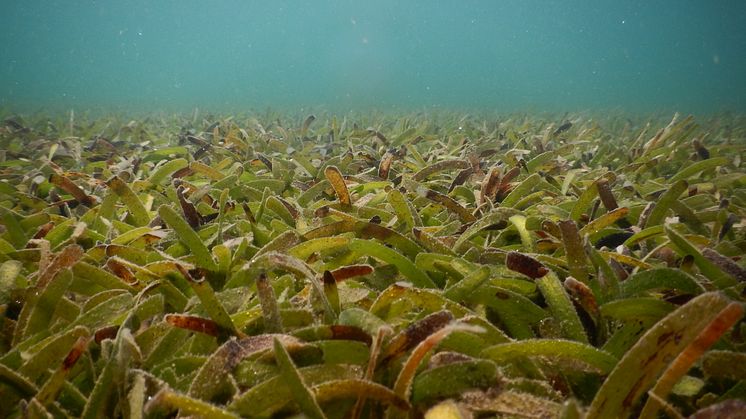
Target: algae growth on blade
column 372, row 265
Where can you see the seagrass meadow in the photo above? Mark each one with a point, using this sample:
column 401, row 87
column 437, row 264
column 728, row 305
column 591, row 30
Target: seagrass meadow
column 435, row 265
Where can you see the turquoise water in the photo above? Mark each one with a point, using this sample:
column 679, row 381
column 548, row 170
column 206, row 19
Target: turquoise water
column 636, row 56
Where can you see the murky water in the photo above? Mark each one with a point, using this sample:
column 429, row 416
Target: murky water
column 634, row 56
